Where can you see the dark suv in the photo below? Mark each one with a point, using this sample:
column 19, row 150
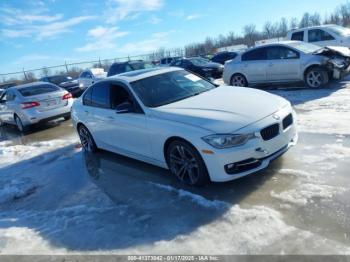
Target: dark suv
column 200, row 66
column 123, row 67
column 66, row 82
column 222, row 57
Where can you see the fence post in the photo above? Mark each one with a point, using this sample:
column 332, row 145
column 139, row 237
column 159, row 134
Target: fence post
column 99, row 60
column 65, row 63
column 25, row 75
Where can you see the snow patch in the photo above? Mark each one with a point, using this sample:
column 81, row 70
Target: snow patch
column 15, row 189
column 193, row 197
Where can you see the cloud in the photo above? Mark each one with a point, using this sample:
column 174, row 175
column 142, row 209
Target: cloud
column 156, row 41
column 155, row 20
column 102, row 38
column 130, row 9
column 43, row 31
column 13, row 16
column 193, row 17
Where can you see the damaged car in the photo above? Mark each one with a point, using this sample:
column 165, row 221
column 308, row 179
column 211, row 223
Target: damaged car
column 288, row 62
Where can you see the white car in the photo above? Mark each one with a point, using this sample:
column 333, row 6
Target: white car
column 323, row 35
column 28, row 104
column 90, row 76
column 174, row 119
column 288, row 62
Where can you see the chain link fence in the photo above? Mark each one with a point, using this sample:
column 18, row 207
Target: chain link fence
column 74, row 69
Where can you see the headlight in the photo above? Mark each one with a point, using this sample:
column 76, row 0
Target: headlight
column 228, row 140
column 81, row 85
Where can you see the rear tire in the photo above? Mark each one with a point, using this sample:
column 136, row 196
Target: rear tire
column 239, row 80
column 86, row 139
column 316, row 77
column 21, row 128
column 186, row 164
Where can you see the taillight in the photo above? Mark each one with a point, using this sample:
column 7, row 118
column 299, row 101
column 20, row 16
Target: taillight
column 67, row 96
column 27, row 105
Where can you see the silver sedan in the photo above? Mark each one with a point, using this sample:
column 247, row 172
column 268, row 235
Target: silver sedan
column 288, row 61
column 32, row 103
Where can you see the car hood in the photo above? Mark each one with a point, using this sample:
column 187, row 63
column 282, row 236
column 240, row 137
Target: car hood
column 69, row 83
column 222, row 110
column 212, row 65
column 338, row 56
column 334, row 50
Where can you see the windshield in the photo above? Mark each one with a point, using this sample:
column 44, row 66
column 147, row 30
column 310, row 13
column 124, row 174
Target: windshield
column 59, row 79
column 305, row 47
column 138, row 66
column 169, row 87
column 38, row 90
column 199, row 61
column 339, row 30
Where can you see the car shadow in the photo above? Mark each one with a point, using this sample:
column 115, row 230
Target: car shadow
column 84, row 202
column 8, row 132
column 299, row 93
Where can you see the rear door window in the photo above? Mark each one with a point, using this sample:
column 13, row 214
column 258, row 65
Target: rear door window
column 256, row 54
column 38, row 90
column 100, row 95
column 280, row 52
column 87, row 97
column 298, row 36
column 317, row 35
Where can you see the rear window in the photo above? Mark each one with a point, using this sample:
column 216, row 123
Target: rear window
column 298, row 36
column 38, row 90
column 256, row 54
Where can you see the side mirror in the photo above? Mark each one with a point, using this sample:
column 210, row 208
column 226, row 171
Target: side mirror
column 125, row 108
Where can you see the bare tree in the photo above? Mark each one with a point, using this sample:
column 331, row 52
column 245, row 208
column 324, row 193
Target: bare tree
column 250, row 34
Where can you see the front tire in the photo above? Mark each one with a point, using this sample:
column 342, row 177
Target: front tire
column 186, row 164
column 87, row 140
column 239, row 80
column 316, row 77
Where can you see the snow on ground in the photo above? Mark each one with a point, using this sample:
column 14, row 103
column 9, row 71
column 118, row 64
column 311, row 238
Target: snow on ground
column 325, row 111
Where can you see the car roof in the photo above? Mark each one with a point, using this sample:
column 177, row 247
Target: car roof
column 281, row 43
column 31, row 84
column 143, row 73
column 312, row 27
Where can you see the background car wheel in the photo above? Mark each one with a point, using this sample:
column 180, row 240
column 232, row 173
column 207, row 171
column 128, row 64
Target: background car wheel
column 186, row 164
column 21, row 128
column 67, row 118
column 316, row 77
column 86, row 139
column 239, row 80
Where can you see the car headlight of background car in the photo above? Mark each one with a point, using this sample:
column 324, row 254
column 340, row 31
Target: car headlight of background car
column 227, row 140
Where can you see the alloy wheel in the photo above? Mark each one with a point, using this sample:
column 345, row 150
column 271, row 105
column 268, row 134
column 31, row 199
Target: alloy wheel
column 314, row 79
column 238, row 80
column 184, row 164
column 86, row 139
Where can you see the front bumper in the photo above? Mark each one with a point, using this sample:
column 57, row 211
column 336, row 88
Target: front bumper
column 253, row 156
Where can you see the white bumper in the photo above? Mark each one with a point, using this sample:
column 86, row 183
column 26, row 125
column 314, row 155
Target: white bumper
column 256, row 150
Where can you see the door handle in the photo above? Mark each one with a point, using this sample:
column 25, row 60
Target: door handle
column 271, row 64
column 87, row 112
column 111, row 117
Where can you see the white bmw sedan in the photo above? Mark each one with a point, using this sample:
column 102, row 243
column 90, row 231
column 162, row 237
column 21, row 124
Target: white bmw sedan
column 176, row 120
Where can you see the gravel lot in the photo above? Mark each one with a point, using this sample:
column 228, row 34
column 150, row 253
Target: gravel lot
column 55, row 199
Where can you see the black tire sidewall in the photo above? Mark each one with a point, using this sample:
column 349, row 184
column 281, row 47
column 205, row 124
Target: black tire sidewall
column 94, row 147
column 203, row 172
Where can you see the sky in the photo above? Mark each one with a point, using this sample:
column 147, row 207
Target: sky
column 34, row 34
